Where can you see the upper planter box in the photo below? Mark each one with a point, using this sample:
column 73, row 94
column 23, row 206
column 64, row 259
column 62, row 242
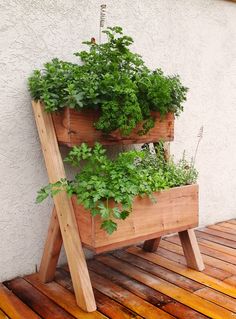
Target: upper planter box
column 75, row 127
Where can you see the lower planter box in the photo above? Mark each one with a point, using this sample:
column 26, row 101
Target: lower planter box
column 75, row 127
column 175, row 210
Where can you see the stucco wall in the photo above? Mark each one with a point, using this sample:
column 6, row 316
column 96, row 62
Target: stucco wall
column 193, row 38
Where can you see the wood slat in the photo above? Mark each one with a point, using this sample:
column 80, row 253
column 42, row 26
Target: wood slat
column 207, row 259
column 218, row 233
column 159, row 271
column 216, row 239
column 203, row 306
column 231, row 280
column 187, row 272
column 232, row 221
column 218, row 298
column 13, row 306
column 3, row 315
column 62, row 297
column 223, row 229
column 209, row 270
column 208, row 251
column 105, row 304
column 154, row 297
column 228, row 225
column 127, row 298
column 41, row 304
column 218, row 247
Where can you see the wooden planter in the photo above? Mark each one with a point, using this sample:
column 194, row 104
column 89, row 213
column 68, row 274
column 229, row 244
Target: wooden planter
column 175, row 210
column 75, row 127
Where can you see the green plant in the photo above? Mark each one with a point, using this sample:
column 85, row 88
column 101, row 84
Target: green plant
column 133, row 173
column 112, row 79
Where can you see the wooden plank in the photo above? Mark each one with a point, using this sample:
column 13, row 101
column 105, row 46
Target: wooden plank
column 151, row 244
column 62, row 297
column 231, row 281
column 71, row 239
column 223, row 229
column 212, row 261
column 142, row 291
column 184, row 271
column 3, row 315
column 181, row 295
column 232, row 221
column 208, row 251
column 13, row 306
column 209, row 270
column 128, row 299
column 191, row 249
column 228, row 225
column 181, row 311
column 107, row 306
column 216, row 239
column 218, row 247
column 175, row 210
column 154, row 297
column 73, row 128
column 218, row 298
column 159, row 271
column 41, row 304
column 51, row 250
column 218, row 233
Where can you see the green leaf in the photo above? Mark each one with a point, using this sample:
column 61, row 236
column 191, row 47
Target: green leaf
column 109, row 226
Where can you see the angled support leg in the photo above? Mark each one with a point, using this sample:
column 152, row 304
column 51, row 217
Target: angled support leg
column 51, row 251
column 191, row 249
column 151, row 245
column 65, row 213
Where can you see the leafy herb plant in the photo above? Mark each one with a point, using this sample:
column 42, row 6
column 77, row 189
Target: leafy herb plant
column 112, row 79
column 101, row 180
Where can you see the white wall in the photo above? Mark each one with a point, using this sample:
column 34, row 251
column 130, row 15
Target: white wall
column 193, row 38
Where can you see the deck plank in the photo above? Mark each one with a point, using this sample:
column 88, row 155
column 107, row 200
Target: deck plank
column 131, row 283
column 203, row 306
column 61, row 296
column 3, row 315
column 218, row 233
column 106, row 305
column 41, row 304
column 185, row 271
column 209, row 260
column 13, row 306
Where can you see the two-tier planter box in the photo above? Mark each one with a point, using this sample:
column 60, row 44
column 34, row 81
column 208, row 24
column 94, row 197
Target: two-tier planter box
column 175, row 210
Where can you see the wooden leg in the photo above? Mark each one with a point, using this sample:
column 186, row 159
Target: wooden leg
column 151, row 245
column 52, row 250
column 65, row 212
column 191, row 249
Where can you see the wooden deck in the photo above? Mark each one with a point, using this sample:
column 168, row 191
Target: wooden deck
column 130, row 283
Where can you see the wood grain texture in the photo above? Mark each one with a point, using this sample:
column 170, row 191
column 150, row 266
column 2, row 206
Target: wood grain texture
column 191, row 249
column 62, row 297
column 105, row 304
column 71, row 239
column 3, row 315
column 13, row 306
column 37, row 301
column 184, row 271
column 151, row 245
column 52, row 250
column 175, row 210
column 75, row 127
column 181, row 295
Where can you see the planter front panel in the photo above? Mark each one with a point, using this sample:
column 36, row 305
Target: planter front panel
column 175, row 210
column 75, row 127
